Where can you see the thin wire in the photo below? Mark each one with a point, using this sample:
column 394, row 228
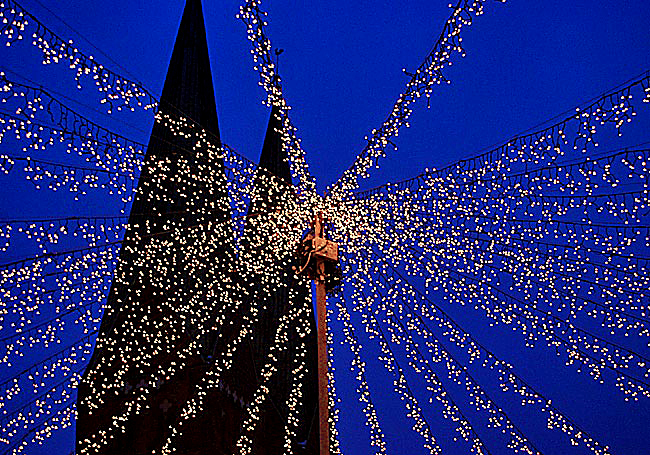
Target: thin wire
column 74, row 344
column 144, row 89
column 471, row 378
column 465, row 332
column 485, row 152
column 48, row 90
column 416, row 348
column 397, row 365
column 555, row 318
column 604, row 155
column 247, row 162
column 87, row 40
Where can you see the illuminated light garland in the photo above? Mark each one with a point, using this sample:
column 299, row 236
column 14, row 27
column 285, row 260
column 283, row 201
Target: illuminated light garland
column 616, row 203
column 281, row 217
column 592, row 351
column 509, row 380
column 253, row 17
column 460, row 189
column 426, row 77
column 293, row 401
column 62, row 419
column 98, row 300
column 421, row 366
column 61, row 299
column 115, row 87
column 244, row 443
column 530, row 150
column 24, row 281
column 78, row 180
column 46, row 332
column 25, row 289
column 118, row 92
column 613, row 313
column 46, row 369
column 182, row 241
column 451, row 411
column 377, row 437
column 514, row 383
column 413, row 410
column 212, row 379
column 49, row 231
column 497, row 417
column 10, row 423
column 541, row 147
column 178, row 124
column 615, row 317
column 107, row 150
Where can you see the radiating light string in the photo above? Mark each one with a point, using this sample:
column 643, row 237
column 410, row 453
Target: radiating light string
column 400, row 384
column 212, row 378
column 332, row 398
column 540, row 138
column 377, row 436
column 244, row 443
column 616, row 308
column 422, row 82
column 576, row 334
column 419, row 363
column 298, row 221
column 620, row 312
column 254, row 19
column 25, row 415
column 460, row 338
column 9, row 388
column 55, row 422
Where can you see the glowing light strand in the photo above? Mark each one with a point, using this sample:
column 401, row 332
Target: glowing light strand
column 426, row 77
column 509, row 380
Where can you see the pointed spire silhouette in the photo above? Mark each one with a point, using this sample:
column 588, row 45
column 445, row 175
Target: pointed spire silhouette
column 273, row 166
column 188, row 89
column 160, row 202
column 273, row 157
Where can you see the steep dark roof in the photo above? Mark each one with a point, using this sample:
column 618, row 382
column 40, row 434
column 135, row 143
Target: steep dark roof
column 275, row 160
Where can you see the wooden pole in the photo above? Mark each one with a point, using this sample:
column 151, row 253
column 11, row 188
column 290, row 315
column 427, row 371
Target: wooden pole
column 321, row 301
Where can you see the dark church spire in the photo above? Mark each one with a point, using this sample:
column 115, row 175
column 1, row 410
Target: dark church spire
column 273, row 158
column 158, row 300
column 153, row 286
column 188, row 89
column 267, row 197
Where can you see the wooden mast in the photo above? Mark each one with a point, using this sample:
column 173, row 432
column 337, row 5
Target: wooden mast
column 321, row 309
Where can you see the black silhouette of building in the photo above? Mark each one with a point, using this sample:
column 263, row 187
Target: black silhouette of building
column 139, row 311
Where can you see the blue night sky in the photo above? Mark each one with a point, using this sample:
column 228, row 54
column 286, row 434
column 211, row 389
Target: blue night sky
column 527, row 61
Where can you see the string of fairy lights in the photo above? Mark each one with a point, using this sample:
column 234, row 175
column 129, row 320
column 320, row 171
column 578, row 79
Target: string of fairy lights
column 449, row 222
column 475, row 350
column 421, row 84
column 546, row 234
column 377, row 437
column 254, row 18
